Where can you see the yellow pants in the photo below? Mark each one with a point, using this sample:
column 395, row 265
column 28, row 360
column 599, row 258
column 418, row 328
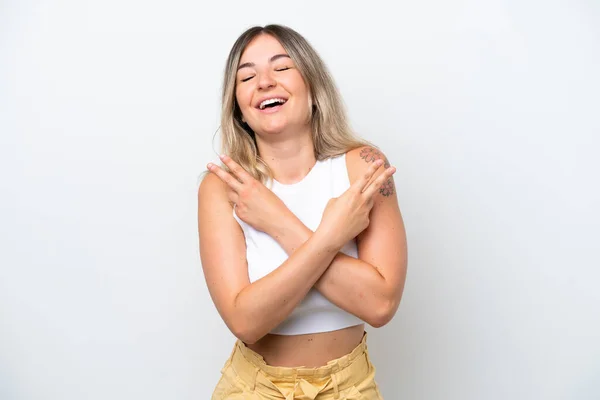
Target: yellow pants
column 246, row 376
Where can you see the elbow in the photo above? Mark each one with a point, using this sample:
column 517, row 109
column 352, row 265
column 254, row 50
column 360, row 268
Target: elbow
column 246, row 332
column 248, row 338
column 382, row 314
column 242, row 325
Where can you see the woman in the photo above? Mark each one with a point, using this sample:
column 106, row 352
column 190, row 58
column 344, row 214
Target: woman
column 301, row 236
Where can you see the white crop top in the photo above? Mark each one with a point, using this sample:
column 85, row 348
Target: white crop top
column 307, row 200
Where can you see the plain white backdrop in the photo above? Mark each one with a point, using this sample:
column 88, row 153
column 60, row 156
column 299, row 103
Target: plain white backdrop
column 489, row 110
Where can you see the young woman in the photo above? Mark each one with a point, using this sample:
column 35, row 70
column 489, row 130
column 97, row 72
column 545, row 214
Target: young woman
column 301, row 237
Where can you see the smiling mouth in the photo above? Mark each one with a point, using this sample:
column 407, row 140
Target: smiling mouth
column 271, row 103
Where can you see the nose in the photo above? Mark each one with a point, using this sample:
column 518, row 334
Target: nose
column 266, row 80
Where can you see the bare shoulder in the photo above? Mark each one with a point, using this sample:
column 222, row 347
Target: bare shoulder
column 215, row 217
column 212, row 190
column 358, row 161
column 216, row 223
column 364, row 155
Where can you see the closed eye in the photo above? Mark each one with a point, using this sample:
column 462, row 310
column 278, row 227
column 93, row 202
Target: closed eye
column 282, row 69
column 247, row 79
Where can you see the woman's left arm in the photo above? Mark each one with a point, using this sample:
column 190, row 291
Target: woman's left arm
column 371, row 285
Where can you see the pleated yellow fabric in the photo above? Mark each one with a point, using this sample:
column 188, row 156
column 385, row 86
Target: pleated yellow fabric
column 246, row 376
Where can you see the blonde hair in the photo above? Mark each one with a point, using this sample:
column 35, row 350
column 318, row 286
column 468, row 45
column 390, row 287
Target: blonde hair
column 331, row 132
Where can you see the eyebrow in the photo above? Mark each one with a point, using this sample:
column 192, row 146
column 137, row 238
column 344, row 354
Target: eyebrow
column 274, row 58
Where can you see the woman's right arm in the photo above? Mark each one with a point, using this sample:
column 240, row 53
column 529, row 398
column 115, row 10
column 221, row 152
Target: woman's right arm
column 251, row 310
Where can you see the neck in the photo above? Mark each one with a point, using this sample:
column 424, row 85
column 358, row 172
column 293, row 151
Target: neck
column 290, row 158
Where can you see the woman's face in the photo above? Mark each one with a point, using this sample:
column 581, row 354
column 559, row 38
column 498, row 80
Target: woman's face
column 270, row 91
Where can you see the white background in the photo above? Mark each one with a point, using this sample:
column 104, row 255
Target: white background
column 489, row 110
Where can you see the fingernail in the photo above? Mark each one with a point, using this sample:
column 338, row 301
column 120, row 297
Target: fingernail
column 209, row 165
column 222, row 156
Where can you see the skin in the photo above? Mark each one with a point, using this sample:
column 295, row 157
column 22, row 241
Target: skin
column 369, row 287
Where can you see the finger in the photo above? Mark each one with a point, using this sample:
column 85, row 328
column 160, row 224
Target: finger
column 232, row 196
column 361, row 183
column 224, row 176
column 378, row 183
column 240, row 173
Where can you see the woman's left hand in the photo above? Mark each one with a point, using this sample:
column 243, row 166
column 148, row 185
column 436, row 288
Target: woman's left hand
column 255, row 204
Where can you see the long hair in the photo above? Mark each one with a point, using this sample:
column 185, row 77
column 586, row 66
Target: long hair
column 331, row 132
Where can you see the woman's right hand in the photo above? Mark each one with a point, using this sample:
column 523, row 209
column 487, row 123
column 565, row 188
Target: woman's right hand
column 348, row 215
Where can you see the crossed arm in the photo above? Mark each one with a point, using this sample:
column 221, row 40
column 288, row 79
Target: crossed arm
column 369, row 287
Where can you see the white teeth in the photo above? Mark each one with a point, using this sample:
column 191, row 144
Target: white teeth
column 270, row 101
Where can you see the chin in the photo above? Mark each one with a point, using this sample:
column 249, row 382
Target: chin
column 273, row 128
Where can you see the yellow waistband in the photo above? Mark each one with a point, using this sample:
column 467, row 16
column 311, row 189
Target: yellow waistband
column 242, row 355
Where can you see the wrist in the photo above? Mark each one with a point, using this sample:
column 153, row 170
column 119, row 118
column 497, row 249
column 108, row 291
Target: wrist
column 329, row 240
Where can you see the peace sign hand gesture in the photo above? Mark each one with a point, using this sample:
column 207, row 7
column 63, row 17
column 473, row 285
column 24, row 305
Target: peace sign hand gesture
column 348, row 215
column 254, row 203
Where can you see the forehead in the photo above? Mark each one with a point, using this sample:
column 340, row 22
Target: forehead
column 261, row 48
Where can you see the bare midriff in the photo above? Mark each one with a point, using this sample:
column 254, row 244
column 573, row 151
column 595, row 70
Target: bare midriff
column 310, row 350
